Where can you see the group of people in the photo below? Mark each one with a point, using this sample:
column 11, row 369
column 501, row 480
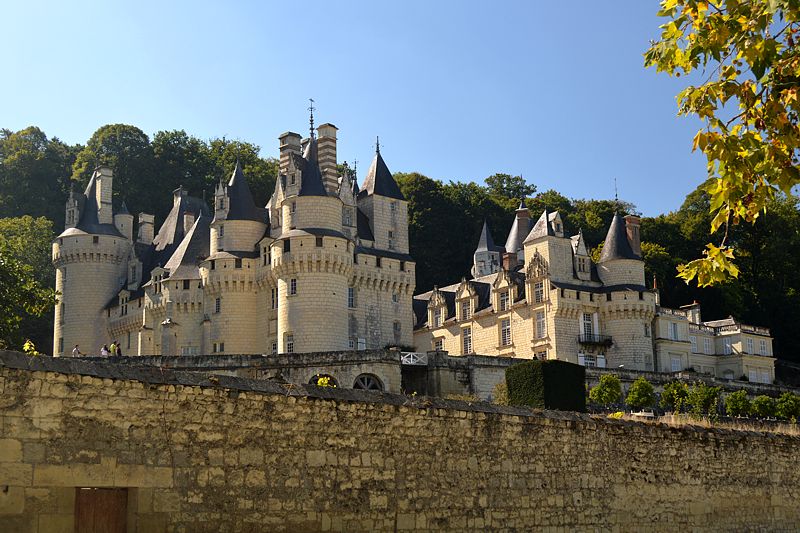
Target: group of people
column 105, row 351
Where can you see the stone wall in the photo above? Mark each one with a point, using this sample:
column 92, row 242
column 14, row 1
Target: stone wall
column 231, row 454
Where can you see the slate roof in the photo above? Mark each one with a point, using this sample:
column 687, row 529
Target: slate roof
column 312, row 184
column 542, row 227
column 616, row 245
column 380, row 181
column 519, row 230
column 362, row 226
column 485, row 242
column 89, row 222
column 184, row 263
column 241, row 205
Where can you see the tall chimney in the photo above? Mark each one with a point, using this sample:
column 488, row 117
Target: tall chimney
column 290, row 143
column 326, row 146
column 632, row 228
column 145, row 228
column 188, row 222
column 105, row 182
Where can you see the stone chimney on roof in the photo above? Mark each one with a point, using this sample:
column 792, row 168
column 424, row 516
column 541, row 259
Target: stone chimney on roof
column 632, row 223
column 290, row 143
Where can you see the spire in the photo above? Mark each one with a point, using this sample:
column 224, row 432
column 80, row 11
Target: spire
column 486, row 243
column 311, row 183
column 241, row 205
column 377, row 144
column 123, row 209
column 616, row 245
column 311, row 118
column 379, row 180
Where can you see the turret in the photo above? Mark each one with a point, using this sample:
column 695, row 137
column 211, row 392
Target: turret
column 488, row 256
column 516, row 236
column 546, row 238
column 238, row 224
column 383, row 202
column 91, row 259
column 123, row 221
column 619, row 264
column 146, row 228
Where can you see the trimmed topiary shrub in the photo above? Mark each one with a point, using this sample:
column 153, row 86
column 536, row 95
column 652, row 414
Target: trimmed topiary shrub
column 547, row 385
column 607, row 392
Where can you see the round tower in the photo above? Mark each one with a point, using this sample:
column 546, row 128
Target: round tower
column 313, row 264
column 90, row 258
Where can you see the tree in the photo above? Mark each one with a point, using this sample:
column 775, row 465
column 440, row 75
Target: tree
column 607, row 392
column 737, row 403
column 702, row 398
column 748, row 53
column 788, row 406
column 641, row 394
column 763, row 406
column 673, row 398
column 29, row 240
column 509, row 186
column 21, row 297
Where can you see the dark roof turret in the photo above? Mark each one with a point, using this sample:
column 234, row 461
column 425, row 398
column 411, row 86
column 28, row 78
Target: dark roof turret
column 616, row 245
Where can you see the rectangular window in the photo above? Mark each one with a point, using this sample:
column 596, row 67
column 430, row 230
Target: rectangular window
column 727, row 348
column 318, row 242
column 221, row 230
column 391, row 240
column 217, row 305
column 351, row 297
column 541, row 326
column 762, row 347
column 61, row 345
column 673, row 331
column 361, row 344
column 274, row 347
column 465, row 310
column 587, row 324
column 707, row 347
column 221, row 347
column 293, row 286
column 504, row 300
column 237, row 263
column 541, row 355
column 752, row 376
column 274, row 294
column 290, row 344
column 95, row 239
column 589, row 360
column 437, row 318
column 351, row 343
column 213, row 264
column 505, row 332
column 397, row 327
column 646, row 329
column 378, row 262
column 287, row 246
column 675, row 364
column 438, row 344
column 294, row 207
column 749, row 344
column 693, row 340
column 402, row 266
column 186, row 284
column 538, row 292
column 765, row 376
column 608, row 296
column 214, row 348
column 347, row 216
column 466, row 337
column 395, row 297
column 128, row 345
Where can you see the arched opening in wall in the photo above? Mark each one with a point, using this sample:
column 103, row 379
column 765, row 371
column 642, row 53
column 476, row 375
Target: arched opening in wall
column 323, row 380
column 368, row 382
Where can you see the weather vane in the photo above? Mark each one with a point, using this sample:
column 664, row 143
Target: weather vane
column 311, row 117
column 377, row 144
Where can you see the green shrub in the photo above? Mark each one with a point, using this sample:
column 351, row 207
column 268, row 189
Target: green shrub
column 500, row 394
column 674, row 396
column 788, row 406
column 547, row 384
column 737, row 403
column 641, row 394
column 607, row 392
column 702, row 398
column 763, row 406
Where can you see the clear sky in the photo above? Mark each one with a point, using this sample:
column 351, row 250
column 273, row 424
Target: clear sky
column 457, row 90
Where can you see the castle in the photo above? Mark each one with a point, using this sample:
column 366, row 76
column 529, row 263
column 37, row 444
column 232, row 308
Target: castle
column 542, row 296
column 323, row 266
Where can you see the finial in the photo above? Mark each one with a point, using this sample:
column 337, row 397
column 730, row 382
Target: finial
column 355, row 169
column 616, row 195
column 377, row 144
column 311, row 117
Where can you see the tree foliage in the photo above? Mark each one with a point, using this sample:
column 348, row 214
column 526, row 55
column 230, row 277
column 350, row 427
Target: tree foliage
column 702, row 399
column 509, row 186
column 607, row 392
column 747, row 54
column 788, row 406
column 673, row 397
column 763, row 406
column 641, row 394
column 737, row 403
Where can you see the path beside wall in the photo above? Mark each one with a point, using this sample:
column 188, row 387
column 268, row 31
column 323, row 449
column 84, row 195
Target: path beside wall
column 230, row 454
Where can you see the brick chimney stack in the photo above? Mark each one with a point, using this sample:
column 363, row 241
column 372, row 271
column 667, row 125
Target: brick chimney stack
column 632, row 223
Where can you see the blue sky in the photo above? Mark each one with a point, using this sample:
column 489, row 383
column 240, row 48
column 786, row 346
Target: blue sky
column 456, row 90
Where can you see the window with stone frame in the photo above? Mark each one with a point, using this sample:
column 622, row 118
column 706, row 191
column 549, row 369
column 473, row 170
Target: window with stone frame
column 438, row 344
column 466, row 340
column 749, row 346
column 437, row 317
column 274, row 295
column 293, row 286
column 466, row 310
column 289, row 343
column 351, row 297
column 588, row 326
column 538, row 292
column 541, row 325
column 504, row 300
column 693, row 341
column 708, row 347
column 762, row 347
column 505, row 332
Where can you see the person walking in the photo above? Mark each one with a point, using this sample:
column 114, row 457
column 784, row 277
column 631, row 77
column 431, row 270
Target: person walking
column 104, row 351
column 119, row 349
column 76, row 352
column 113, row 348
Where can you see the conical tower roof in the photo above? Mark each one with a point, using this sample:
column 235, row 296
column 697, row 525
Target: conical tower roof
column 241, row 205
column 486, row 243
column 89, row 221
column 616, row 245
column 379, row 180
column 184, row 262
column 312, row 184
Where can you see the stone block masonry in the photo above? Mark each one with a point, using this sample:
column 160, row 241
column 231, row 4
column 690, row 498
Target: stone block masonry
column 200, row 453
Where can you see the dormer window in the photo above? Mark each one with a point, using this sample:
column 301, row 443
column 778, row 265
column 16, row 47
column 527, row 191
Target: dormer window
column 437, row 317
column 466, row 310
column 538, row 292
column 504, row 301
column 221, row 202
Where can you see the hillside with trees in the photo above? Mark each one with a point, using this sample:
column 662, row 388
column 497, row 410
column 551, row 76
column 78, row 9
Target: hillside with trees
column 445, row 219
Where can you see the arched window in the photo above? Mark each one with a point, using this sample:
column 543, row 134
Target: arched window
column 323, row 380
column 368, row 382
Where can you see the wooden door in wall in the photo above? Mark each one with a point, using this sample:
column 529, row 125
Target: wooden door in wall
column 101, row 510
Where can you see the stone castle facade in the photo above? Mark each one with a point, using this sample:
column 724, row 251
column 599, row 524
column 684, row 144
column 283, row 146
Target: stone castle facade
column 323, row 266
column 541, row 295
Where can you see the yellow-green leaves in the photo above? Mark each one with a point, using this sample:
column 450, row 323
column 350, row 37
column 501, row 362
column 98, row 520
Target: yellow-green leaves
column 749, row 54
column 717, row 266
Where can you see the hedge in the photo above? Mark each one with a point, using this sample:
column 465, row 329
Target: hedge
column 549, row 384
